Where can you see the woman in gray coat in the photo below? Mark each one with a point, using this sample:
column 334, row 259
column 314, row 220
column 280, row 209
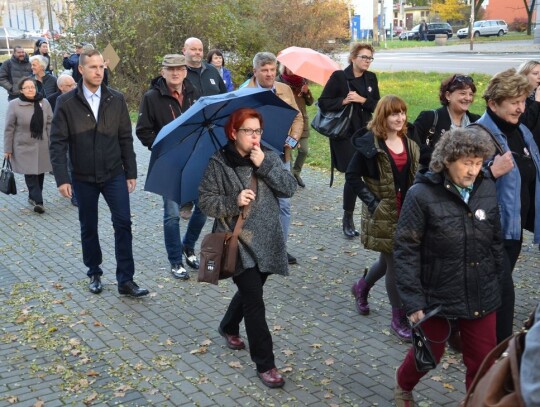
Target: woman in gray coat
column 223, row 191
column 26, row 139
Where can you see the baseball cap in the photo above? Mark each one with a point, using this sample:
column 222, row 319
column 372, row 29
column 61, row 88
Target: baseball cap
column 171, row 60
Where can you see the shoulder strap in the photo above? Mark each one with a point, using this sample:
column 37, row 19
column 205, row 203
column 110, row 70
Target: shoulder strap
column 245, row 209
column 498, row 145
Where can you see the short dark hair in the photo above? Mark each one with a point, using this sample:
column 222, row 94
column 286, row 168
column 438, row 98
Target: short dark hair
column 87, row 53
column 240, row 116
column 16, row 47
column 211, row 54
column 453, row 83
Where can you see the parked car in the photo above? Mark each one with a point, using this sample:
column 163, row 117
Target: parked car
column 433, row 29
column 14, row 37
column 485, row 28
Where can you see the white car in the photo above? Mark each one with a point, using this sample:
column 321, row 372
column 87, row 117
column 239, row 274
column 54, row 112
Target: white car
column 485, row 28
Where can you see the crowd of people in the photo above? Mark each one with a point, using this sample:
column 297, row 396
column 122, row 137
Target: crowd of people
column 445, row 199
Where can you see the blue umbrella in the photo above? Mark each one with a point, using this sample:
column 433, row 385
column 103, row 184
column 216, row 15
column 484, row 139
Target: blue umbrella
column 183, row 147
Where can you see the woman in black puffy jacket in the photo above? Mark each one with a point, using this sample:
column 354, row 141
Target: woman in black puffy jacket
column 448, row 251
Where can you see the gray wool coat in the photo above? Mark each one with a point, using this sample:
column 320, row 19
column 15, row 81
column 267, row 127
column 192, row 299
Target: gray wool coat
column 30, row 155
column 261, row 239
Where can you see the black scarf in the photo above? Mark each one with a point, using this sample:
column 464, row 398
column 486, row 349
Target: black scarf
column 36, row 123
column 233, row 157
column 503, row 125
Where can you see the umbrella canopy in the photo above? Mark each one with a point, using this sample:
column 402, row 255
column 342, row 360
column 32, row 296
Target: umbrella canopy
column 183, row 147
column 308, row 63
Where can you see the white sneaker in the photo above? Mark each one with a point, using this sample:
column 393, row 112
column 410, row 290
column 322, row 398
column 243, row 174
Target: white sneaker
column 178, row 271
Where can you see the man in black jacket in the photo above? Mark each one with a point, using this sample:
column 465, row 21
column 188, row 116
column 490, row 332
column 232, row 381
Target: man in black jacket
column 203, row 76
column 92, row 123
column 168, row 98
column 13, row 70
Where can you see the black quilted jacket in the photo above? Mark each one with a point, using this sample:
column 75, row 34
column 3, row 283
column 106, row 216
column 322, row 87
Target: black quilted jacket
column 449, row 252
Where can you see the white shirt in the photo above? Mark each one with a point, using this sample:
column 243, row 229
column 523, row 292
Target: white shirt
column 92, row 99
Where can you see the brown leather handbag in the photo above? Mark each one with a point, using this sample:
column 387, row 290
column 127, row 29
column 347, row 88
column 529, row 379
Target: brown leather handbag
column 496, row 383
column 219, row 251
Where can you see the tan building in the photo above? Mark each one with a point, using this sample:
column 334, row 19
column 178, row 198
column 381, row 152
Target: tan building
column 410, row 16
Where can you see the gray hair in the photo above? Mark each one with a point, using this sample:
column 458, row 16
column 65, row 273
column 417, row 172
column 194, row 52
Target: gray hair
column 62, row 78
column 41, row 59
column 459, row 143
column 264, row 58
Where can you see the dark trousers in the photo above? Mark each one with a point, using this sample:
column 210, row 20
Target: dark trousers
column 477, row 338
column 505, row 313
column 248, row 304
column 35, row 187
column 349, row 198
column 116, row 195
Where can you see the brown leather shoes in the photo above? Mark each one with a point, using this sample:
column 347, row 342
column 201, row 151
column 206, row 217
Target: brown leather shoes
column 272, row 378
column 234, row 342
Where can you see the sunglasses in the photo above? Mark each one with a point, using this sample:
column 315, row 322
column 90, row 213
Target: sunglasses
column 462, row 79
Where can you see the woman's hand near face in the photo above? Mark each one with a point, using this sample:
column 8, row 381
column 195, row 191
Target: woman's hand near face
column 256, row 155
column 537, row 94
column 245, row 197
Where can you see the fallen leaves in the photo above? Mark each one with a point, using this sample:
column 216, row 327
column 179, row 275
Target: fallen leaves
column 235, row 365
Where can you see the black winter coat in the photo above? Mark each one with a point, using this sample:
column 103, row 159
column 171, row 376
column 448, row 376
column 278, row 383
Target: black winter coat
column 207, row 81
column 159, row 108
column 424, row 123
column 448, row 252
column 332, row 96
column 531, row 117
column 98, row 150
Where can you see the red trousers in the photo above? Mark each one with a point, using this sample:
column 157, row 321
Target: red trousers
column 478, row 338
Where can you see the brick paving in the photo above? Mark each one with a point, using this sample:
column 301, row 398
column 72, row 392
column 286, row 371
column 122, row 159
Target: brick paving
column 61, row 345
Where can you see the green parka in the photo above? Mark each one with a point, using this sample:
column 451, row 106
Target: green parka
column 375, row 179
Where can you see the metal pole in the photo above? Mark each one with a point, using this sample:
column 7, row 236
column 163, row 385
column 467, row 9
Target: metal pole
column 51, row 33
column 375, row 22
column 471, row 22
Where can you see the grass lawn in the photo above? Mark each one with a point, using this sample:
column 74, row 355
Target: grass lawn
column 419, row 90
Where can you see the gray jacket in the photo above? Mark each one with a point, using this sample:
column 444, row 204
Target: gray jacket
column 11, row 72
column 261, row 239
column 30, row 155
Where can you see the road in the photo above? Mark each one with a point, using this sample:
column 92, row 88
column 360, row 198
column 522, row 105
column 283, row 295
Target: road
column 488, row 58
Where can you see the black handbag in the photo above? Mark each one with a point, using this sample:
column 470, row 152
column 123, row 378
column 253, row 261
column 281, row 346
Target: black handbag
column 423, row 356
column 7, row 179
column 335, row 124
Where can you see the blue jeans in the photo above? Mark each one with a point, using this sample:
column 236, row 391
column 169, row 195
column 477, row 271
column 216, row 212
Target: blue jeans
column 171, row 229
column 116, row 195
column 285, row 209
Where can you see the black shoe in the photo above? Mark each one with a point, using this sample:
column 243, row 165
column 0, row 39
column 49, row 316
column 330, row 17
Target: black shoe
column 95, row 285
column 132, row 289
column 191, row 259
column 348, row 225
column 299, row 181
column 291, row 259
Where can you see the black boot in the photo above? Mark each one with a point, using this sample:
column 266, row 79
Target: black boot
column 348, row 225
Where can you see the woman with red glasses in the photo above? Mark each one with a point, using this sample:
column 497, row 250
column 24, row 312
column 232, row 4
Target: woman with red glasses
column 456, row 95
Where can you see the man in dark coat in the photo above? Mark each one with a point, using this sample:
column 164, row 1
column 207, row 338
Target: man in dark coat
column 92, row 123
column 169, row 97
column 203, row 76
column 13, row 70
column 72, row 61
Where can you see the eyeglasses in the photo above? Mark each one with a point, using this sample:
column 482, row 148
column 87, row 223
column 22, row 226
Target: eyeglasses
column 250, row 132
column 28, row 87
column 365, row 57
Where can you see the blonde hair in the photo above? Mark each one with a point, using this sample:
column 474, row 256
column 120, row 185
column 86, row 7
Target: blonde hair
column 507, row 85
column 526, row 67
column 388, row 105
column 356, row 47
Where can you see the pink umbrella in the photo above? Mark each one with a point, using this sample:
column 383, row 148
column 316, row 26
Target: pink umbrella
column 308, row 63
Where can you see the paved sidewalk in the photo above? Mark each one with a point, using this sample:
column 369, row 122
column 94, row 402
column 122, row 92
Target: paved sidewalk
column 64, row 346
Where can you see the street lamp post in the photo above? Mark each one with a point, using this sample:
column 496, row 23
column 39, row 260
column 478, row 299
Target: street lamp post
column 51, row 32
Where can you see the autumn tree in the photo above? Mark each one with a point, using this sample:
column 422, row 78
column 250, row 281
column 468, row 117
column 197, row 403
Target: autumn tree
column 529, row 7
column 449, row 9
column 142, row 31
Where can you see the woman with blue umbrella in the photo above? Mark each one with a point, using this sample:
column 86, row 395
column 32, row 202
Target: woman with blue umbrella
column 223, row 192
